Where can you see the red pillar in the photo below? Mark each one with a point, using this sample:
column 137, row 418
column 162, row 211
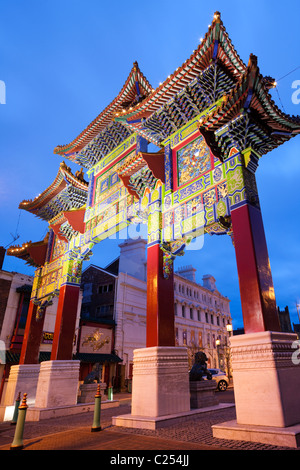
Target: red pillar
column 255, row 278
column 32, row 337
column 62, row 346
column 160, row 301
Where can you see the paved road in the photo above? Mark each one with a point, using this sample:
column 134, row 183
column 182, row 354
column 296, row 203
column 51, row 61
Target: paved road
column 74, row 433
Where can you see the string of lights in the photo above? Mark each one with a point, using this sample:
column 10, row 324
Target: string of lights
column 281, row 78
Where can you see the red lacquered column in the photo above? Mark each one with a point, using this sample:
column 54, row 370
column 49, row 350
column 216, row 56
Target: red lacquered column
column 160, row 301
column 32, row 336
column 255, row 278
column 65, row 323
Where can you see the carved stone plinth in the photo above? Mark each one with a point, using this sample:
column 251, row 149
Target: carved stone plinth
column 22, row 378
column 266, row 387
column 160, row 384
column 160, row 389
column 266, row 381
column 57, row 384
column 203, row 393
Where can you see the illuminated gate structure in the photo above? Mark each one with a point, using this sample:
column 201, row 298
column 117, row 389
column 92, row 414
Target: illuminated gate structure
column 212, row 120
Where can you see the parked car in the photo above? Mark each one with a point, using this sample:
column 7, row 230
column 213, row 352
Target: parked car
column 220, row 377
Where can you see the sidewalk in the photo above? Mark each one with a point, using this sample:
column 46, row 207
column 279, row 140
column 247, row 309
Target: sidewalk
column 74, row 433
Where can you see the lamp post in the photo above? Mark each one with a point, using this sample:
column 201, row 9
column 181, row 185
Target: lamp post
column 298, row 306
column 229, row 331
column 218, row 342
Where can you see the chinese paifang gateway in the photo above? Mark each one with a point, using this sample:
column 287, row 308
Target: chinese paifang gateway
column 212, row 119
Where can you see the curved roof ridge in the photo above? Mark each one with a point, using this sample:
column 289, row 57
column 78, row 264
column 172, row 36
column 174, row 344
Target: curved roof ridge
column 208, row 49
column 134, row 80
column 255, row 82
column 63, row 177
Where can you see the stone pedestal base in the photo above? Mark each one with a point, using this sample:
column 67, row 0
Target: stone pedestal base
column 203, row 394
column 160, row 384
column 57, row 384
column 275, row 436
column 153, row 423
column 266, row 382
column 87, row 392
column 22, row 378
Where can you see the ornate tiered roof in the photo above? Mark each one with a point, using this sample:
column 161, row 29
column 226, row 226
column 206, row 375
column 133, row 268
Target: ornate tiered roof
column 212, row 73
column 135, row 89
column 62, row 205
column 66, row 193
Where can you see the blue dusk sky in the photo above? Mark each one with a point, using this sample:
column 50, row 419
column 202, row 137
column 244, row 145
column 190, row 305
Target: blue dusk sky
column 62, row 62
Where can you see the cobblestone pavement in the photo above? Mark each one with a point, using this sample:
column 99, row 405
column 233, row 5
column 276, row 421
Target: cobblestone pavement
column 75, row 433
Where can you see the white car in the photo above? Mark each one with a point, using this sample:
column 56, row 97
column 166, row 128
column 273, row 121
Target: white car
column 220, row 377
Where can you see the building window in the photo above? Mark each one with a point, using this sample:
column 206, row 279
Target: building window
column 183, row 311
column 218, row 321
column 105, row 288
column 191, row 313
column 206, row 317
column 199, row 315
column 212, row 319
column 175, row 309
column 104, row 310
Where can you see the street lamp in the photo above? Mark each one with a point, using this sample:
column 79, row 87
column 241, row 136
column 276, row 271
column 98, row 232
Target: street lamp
column 297, row 307
column 218, row 342
column 229, row 328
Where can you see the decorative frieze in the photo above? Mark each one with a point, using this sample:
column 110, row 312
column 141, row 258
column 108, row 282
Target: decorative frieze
column 262, row 350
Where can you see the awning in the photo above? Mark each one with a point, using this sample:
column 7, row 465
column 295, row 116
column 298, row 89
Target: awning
column 94, row 358
column 13, row 357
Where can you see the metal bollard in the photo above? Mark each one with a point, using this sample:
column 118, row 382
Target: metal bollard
column 97, row 411
column 17, row 443
column 110, row 393
column 16, row 411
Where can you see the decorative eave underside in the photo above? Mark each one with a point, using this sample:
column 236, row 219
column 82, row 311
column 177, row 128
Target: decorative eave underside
column 248, row 117
column 135, row 89
column 142, row 171
column 67, row 192
column 34, row 254
column 68, row 224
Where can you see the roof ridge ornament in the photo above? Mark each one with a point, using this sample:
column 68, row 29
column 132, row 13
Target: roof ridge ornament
column 217, row 17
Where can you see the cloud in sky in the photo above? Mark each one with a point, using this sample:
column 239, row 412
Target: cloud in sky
column 64, row 61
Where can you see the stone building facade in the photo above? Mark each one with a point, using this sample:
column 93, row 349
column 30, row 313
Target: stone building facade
column 202, row 313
